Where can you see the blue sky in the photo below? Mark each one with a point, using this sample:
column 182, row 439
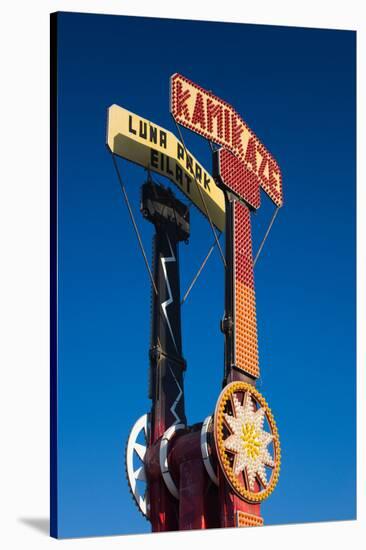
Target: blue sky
column 296, row 89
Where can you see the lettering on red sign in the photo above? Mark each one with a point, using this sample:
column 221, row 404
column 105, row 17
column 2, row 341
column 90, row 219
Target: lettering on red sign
column 214, row 112
column 251, row 154
column 236, row 134
column 199, row 112
column 182, row 98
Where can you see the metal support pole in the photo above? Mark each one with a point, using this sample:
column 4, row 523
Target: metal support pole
column 170, row 218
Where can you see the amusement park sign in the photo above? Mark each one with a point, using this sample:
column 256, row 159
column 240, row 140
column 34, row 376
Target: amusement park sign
column 147, row 144
column 204, row 113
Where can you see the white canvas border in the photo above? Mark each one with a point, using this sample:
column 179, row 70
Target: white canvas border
column 24, row 227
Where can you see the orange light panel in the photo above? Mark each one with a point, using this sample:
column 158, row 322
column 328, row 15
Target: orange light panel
column 244, row 519
column 245, row 332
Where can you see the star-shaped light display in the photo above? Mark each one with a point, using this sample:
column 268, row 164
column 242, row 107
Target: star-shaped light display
column 249, row 441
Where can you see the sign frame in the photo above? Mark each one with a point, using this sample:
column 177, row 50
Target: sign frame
column 206, row 114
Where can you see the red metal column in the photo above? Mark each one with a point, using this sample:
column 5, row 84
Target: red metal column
column 241, row 189
column 243, row 341
column 163, row 506
column 198, row 498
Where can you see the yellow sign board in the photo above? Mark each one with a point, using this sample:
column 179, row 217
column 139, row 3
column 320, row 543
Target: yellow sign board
column 147, row 144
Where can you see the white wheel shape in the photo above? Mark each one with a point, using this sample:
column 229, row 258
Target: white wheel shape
column 206, row 453
column 136, row 451
column 163, row 458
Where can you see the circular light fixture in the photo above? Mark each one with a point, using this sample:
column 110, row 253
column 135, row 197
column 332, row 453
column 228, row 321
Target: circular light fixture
column 243, row 444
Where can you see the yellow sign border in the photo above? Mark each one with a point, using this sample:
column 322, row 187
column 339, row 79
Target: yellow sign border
column 151, row 146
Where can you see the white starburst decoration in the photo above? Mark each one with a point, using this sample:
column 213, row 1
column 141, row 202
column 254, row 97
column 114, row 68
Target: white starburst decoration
column 249, row 441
